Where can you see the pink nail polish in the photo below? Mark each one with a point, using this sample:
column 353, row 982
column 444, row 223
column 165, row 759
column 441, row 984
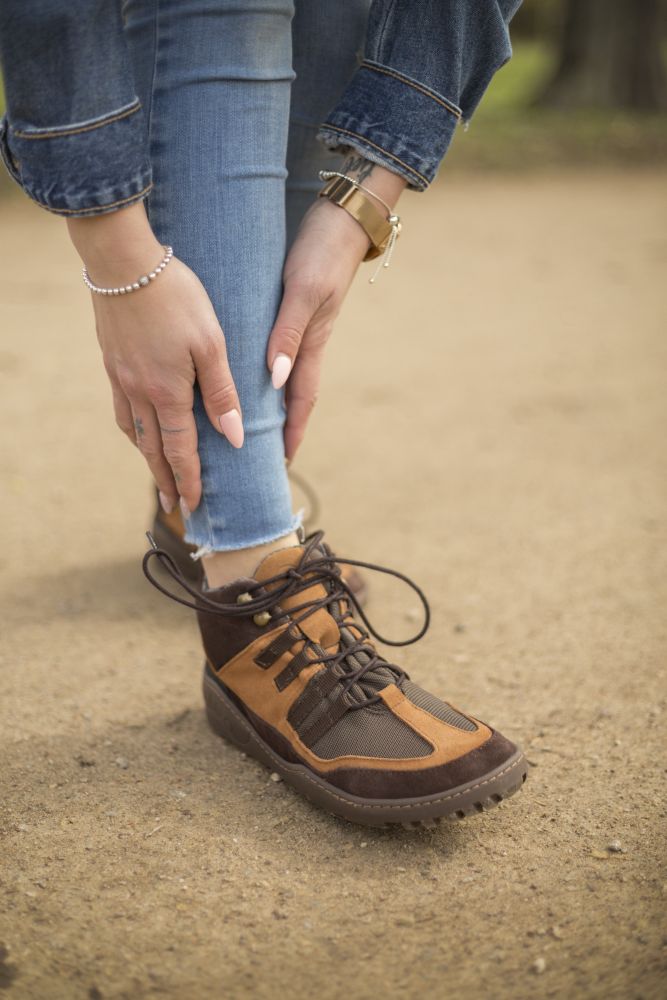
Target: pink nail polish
column 232, row 427
column 166, row 504
column 185, row 510
column 282, row 366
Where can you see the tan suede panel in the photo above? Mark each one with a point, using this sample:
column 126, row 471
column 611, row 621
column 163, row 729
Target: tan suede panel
column 256, row 689
column 450, row 742
column 320, row 626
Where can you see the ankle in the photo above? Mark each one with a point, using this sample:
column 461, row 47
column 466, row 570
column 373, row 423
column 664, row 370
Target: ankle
column 222, row 568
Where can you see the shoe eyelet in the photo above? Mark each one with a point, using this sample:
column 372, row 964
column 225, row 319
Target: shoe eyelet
column 244, row 598
column 262, row 618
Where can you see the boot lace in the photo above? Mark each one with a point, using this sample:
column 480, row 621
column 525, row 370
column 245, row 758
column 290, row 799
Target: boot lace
column 317, row 565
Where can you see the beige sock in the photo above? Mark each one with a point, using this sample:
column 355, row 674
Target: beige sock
column 222, row 568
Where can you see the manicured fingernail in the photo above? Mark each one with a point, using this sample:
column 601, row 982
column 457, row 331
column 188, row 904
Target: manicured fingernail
column 185, row 510
column 166, row 504
column 232, row 427
column 282, row 366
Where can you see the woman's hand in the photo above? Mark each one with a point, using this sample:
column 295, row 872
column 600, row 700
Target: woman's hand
column 154, row 343
column 318, row 272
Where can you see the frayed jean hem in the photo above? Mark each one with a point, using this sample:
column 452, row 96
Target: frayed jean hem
column 207, row 546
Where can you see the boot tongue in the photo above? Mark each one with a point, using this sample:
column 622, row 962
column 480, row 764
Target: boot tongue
column 321, row 626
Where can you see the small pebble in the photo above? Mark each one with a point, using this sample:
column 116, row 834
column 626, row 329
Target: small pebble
column 556, row 932
column 615, row 847
column 122, row 762
column 364, row 843
column 539, row 965
column 276, row 777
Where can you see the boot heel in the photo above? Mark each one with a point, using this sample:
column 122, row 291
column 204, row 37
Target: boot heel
column 178, row 550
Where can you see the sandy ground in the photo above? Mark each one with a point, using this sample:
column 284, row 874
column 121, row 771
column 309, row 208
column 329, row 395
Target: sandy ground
column 493, row 423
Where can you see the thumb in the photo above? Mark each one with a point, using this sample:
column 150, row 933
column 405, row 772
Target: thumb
column 295, row 313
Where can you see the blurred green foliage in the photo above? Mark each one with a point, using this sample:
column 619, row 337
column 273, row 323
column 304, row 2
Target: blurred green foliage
column 510, row 132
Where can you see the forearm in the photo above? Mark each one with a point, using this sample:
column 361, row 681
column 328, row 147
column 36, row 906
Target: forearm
column 378, row 179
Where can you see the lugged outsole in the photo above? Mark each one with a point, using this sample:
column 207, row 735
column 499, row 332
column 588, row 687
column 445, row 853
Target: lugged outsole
column 473, row 798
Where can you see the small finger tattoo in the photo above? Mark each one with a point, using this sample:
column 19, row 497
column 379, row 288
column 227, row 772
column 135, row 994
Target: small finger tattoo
column 139, row 427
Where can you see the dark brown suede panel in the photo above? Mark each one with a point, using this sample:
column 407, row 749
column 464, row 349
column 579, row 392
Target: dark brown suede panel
column 381, row 784
column 428, row 780
column 271, row 736
column 224, row 638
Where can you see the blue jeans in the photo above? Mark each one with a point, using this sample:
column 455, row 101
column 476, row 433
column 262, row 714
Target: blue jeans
column 234, row 91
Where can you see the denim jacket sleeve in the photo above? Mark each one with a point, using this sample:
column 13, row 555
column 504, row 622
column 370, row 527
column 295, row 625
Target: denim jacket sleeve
column 426, row 66
column 73, row 136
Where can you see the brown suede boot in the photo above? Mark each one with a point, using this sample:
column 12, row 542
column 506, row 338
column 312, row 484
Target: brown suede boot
column 168, row 531
column 292, row 678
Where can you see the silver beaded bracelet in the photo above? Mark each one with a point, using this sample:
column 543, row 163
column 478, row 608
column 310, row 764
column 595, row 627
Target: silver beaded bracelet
column 141, row 282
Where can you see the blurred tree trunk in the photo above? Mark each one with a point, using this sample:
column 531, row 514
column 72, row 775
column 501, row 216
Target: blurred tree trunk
column 610, row 56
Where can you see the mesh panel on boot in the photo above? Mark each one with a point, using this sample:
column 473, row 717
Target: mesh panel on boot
column 429, row 703
column 371, row 732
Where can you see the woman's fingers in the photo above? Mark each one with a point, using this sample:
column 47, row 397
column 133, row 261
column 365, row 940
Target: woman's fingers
column 179, row 445
column 123, row 411
column 300, row 398
column 218, row 391
column 149, row 442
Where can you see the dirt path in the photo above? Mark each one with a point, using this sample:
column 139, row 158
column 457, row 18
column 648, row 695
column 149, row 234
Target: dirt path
column 502, row 441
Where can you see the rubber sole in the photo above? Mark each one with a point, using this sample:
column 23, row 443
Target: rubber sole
column 476, row 797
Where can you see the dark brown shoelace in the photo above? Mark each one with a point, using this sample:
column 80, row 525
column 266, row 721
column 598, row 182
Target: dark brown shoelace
column 311, row 569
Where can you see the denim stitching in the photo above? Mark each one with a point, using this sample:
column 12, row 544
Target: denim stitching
column 447, row 104
column 91, row 208
column 77, row 130
column 363, row 138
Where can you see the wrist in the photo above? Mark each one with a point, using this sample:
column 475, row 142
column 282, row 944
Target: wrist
column 115, row 246
column 383, row 182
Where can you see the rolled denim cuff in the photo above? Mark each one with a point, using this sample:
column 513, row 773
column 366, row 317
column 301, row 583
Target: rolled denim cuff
column 393, row 120
column 87, row 168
